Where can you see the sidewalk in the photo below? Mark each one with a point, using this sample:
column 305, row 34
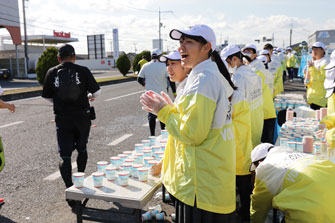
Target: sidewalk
column 24, row 88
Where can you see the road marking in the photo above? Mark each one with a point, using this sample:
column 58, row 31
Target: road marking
column 56, row 175
column 126, row 95
column 14, row 123
column 117, row 141
column 146, row 124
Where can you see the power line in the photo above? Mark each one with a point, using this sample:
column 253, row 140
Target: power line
column 16, row 9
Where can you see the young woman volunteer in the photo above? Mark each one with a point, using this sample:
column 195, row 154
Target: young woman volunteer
column 199, row 164
column 177, row 73
column 316, row 76
column 246, row 80
column 268, row 106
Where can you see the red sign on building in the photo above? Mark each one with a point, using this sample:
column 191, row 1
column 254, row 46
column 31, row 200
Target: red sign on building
column 62, row 34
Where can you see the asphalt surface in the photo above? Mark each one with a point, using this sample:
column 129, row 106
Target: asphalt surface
column 29, row 138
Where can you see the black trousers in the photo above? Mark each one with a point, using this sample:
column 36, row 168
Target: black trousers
column 189, row 214
column 268, row 130
column 290, row 71
column 152, row 123
column 244, row 189
column 72, row 134
column 315, row 107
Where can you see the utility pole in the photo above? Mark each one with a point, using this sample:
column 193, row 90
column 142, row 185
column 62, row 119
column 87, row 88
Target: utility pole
column 25, row 36
column 291, row 34
column 159, row 29
column 273, row 39
column 160, row 25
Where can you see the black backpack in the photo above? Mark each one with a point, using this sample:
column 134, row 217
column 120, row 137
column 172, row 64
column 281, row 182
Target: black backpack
column 66, row 84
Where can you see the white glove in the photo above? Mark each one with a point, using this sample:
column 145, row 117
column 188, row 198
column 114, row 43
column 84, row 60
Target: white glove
column 167, row 98
column 152, row 102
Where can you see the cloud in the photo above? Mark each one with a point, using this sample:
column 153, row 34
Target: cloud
column 138, row 27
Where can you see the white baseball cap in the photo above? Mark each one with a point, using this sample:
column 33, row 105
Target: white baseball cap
column 156, row 52
column 264, row 52
column 319, row 45
column 280, row 49
column 332, row 61
column 262, row 58
column 229, row 50
column 173, row 55
column 288, row 48
column 250, row 46
column 197, row 30
column 259, row 152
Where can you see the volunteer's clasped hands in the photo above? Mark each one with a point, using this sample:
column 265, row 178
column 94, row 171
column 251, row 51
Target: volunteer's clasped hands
column 154, row 102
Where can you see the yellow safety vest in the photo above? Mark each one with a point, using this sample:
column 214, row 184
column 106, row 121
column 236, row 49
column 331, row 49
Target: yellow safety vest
column 296, row 183
column 242, row 132
column 315, row 91
column 200, row 160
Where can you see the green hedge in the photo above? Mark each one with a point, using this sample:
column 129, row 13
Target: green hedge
column 47, row 60
column 123, row 64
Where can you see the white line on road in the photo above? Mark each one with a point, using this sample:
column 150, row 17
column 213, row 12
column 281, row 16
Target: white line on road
column 122, row 138
column 55, row 175
column 14, row 123
column 146, row 124
column 122, row 96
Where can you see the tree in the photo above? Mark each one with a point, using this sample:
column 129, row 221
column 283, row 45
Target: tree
column 138, row 57
column 123, row 64
column 47, row 60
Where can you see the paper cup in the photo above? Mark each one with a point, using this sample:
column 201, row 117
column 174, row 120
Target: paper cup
column 111, row 173
column 135, row 170
column 323, row 113
column 102, row 166
column 317, row 114
column 123, row 178
column 98, row 179
column 146, row 160
column 308, row 144
column 152, row 140
column 78, row 179
column 139, row 148
column 289, row 115
column 146, row 143
column 143, row 174
column 115, row 161
column 165, row 134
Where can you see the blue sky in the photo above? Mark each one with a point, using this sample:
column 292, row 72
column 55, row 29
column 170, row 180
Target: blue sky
column 239, row 21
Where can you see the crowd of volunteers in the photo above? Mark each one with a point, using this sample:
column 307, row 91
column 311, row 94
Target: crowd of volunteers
column 221, row 129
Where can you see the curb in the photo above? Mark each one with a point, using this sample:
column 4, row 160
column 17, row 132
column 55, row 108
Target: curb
column 36, row 93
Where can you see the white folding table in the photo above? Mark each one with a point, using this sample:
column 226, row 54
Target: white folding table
column 135, row 196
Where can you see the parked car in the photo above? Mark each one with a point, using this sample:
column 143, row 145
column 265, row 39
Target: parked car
column 4, row 73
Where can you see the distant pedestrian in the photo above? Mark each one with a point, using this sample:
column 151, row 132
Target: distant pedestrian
column 70, row 86
column 291, row 61
column 153, row 76
column 141, row 63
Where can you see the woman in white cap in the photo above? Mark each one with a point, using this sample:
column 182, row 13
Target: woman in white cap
column 315, row 77
column 245, row 79
column 291, row 61
column 268, row 106
column 177, row 73
column 199, row 166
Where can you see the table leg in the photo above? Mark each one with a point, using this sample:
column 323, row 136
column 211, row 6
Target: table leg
column 79, row 212
column 138, row 216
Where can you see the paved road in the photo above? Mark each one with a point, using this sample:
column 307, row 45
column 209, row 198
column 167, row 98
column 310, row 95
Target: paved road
column 29, row 139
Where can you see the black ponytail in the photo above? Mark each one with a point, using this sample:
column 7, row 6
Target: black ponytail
column 222, row 68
